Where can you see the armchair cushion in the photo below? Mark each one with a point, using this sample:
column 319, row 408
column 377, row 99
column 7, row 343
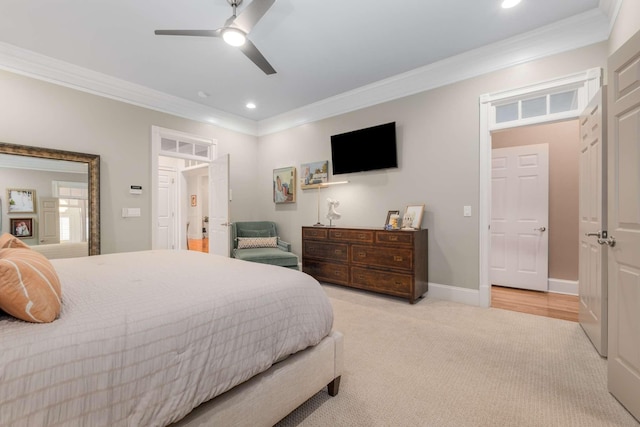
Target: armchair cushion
column 271, row 256
column 257, row 242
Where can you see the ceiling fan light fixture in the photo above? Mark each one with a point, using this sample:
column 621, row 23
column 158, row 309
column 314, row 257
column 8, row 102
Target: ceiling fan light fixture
column 506, row 4
column 234, row 37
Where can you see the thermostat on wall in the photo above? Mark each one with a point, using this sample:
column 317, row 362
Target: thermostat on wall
column 136, row 189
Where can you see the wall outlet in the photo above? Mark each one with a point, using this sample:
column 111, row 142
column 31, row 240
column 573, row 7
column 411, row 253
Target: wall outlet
column 467, row 211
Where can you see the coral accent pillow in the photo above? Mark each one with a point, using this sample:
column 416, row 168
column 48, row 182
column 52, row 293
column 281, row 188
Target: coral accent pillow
column 10, row 241
column 257, row 242
column 29, row 286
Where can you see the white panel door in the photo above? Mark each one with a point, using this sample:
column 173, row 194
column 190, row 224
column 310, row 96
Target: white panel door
column 592, row 273
column 167, row 204
column 219, row 236
column 624, row 225
column 519, row 217
column 49, row 232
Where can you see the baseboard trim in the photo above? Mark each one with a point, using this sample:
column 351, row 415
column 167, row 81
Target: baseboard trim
column 454, row 294
column 560, row 286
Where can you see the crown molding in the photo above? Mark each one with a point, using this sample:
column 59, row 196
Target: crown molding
column 572, row 33
column 611, row 8
column 41, row 67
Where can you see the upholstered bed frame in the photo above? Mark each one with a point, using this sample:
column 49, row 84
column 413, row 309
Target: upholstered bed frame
column 270, row 396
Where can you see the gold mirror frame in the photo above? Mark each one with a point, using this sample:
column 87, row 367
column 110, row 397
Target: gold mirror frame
column 93, row 162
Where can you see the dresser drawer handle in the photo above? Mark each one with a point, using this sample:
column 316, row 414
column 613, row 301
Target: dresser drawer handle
column 337, row 273
column 337, row 251
column 362, row 254
column 399, row 283
column 362, row 236
column 338, row 234
column 360, row 276
column 393, row 238
column 397, row 258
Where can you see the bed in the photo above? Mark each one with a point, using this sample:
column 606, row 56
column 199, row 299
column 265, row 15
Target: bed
column 159, row 337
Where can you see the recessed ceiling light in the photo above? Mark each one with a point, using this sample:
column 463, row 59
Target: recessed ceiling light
column 506, row 4
column 251, row 105
column 203, row 94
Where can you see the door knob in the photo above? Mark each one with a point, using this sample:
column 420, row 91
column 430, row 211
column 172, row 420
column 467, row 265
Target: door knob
column 611, row 241
column 596, row 234
column 540, row 229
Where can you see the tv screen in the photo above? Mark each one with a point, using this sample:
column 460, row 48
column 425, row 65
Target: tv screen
column 364, row 149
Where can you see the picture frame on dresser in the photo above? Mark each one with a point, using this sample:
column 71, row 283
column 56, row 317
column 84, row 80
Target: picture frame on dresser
column 414, row 213
column 392, row 220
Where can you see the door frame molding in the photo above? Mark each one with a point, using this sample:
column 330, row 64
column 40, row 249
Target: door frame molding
column 588, row 82
column 157, row 133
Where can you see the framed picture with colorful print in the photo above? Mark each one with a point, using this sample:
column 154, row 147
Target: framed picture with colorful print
column 284, row 185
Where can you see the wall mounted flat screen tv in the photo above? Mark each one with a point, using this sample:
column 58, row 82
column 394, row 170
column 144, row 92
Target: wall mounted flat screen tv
column 366, row 149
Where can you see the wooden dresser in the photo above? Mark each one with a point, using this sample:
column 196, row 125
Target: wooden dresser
column 389, row 262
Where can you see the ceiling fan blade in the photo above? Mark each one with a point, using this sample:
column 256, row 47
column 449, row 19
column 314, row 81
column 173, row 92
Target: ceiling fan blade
column 199, row 33
column 251, row 14
column 252, row 52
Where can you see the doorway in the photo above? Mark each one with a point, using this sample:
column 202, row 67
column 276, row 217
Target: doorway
column 197, row 185
column 551, row 101
column 560, row 279
column 189, row 157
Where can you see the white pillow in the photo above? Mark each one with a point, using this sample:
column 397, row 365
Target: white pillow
column 257, row 242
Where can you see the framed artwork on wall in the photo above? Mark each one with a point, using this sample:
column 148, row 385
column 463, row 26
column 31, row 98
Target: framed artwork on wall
column 22, row 227
column 284, row 185
column 21, row 200
column 314, row 173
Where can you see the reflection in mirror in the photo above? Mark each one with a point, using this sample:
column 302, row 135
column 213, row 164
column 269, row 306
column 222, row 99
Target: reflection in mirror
column 62, row 191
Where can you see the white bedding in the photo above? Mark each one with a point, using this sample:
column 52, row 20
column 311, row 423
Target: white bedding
column 145, row 337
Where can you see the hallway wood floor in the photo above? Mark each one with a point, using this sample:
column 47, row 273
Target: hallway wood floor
column 547, row 304
column 199, row 245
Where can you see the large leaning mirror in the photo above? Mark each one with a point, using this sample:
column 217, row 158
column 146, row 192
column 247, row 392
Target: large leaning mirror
column 51, row 199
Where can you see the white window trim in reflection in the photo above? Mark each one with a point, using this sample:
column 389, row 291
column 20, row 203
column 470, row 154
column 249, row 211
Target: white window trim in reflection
column 74, row 210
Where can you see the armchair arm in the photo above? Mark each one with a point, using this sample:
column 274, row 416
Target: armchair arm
column 284, row 245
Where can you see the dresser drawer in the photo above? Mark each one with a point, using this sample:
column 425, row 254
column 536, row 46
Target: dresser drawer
column 394, row 237
column 378, row 256
column 332, row 273
column 314, row 233
column 324, row 250
column 364, row 236
column 382, row 281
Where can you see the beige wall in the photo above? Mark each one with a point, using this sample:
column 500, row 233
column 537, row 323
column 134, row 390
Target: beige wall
column 438, row 151
column 563, row 139
column 38, row 113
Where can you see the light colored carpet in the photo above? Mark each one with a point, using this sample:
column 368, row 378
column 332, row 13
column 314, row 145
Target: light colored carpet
column 439, row 363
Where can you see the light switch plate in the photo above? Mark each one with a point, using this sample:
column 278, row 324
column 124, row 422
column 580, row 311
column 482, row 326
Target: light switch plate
column 467, row 211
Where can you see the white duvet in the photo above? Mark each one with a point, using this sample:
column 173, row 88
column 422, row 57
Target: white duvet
column 145, row 337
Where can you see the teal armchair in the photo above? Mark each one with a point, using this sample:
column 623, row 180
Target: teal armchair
column 258, row 241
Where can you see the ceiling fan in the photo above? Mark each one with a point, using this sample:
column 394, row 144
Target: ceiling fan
column 235, row 31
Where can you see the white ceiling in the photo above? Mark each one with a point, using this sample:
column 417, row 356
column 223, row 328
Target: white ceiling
column 321, row 49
